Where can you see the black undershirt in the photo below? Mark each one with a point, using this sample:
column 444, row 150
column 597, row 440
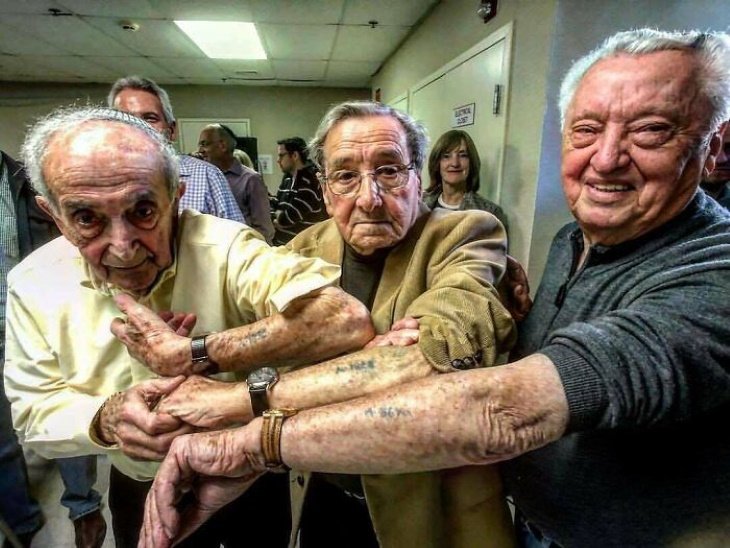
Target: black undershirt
column 360, row 278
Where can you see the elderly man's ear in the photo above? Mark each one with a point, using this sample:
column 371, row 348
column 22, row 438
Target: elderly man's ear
column 46, row 206
column 716, row 143
column 326, row 198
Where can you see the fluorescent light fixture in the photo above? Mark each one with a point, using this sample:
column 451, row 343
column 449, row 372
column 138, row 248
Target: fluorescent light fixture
column 224, row 39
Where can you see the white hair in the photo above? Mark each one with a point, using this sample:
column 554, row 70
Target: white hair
column 711, row 48
column 64, row 120
column 416, row 136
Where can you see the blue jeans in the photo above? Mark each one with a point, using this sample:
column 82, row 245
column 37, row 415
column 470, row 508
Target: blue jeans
column 79, row 476
column 17, row 507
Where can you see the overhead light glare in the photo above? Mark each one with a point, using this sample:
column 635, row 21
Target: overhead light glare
column 225, row 39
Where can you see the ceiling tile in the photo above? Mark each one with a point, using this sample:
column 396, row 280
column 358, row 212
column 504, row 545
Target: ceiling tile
column 292, row 42
column 81, row 67
column 344, row 70
column 326, row 42
column 190, row 68
column 386, row 12
column 297, row 12
column 16, row 40
column 127, row 66
column 126, row 9
column 299, row 70
column 22, row 67
column 197, row 10
column 71, row 34
column 28, row 6
column 154, row 38
column 366, row 44
column 242, row 68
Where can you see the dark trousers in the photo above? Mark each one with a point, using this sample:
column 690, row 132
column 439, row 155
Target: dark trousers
column 259, row 517
column 330, row 517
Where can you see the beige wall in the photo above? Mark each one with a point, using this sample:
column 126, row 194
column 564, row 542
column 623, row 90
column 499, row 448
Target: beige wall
column 275, row 112
column 452, row 28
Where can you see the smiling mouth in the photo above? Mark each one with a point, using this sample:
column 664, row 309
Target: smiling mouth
column 610, row 187
column 127, row 267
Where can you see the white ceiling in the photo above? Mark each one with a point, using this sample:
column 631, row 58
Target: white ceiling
column 308, row 42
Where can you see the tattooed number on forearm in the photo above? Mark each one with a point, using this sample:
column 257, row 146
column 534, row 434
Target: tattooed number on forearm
column 254, row 337
column 388, row 412
column 360, row 365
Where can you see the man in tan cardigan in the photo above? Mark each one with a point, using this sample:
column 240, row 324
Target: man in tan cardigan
column 427, row 277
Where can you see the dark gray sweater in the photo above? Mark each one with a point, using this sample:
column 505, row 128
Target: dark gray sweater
column 640, row 336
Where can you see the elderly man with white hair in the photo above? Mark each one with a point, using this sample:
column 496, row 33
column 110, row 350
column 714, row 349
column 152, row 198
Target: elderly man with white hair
column 613, row 412
column 110, row 182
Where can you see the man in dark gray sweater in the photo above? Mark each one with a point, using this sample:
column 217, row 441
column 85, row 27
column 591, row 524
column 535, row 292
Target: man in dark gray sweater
column 616, row 408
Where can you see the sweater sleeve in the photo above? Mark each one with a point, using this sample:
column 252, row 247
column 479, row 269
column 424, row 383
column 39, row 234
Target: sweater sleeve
column 662, row 356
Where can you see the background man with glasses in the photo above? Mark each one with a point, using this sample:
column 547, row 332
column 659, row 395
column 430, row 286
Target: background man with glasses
column 427, row 277
column 298, row 203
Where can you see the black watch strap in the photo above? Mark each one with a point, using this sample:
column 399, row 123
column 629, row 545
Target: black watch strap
column 201, row 361
column 198, row 350
column 259, row 400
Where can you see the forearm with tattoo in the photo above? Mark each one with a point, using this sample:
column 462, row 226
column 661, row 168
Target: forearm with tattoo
column 312, row 328
column 351, row 376
column 473, row 417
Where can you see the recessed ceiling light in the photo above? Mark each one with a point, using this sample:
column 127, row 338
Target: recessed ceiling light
column 224, row 39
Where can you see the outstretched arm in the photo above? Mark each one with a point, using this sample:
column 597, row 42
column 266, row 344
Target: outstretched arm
column 473, row 417
column 208, row 403
column 316, row 326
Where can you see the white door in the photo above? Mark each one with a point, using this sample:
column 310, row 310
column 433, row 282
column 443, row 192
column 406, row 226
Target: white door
column 477, row 80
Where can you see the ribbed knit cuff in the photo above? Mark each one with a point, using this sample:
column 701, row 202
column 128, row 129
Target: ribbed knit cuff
column 587, row 398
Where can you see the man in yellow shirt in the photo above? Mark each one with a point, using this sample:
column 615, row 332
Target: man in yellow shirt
column 111, row 184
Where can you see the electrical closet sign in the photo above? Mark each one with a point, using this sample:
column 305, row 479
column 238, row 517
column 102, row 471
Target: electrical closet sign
column 463, row 116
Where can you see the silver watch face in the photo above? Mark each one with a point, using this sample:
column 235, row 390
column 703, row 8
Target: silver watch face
column 263, row 377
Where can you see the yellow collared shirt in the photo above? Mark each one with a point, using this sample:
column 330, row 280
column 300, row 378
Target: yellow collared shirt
column 62, row 361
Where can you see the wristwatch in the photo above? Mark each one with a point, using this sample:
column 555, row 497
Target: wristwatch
column 260, row 381
column 202, row 364
column 271, row 438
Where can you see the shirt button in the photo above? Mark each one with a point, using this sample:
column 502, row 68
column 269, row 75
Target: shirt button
column 458, row 364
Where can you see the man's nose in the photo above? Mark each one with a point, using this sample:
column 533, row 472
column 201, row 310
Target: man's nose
column 368, row 196
column 612, row 152
column 122, row 236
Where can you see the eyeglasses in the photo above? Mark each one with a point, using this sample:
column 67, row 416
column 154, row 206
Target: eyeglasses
column 388, row 178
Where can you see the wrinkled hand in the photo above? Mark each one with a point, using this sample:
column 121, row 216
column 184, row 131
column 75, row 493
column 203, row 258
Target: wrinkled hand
column 208, row 403
column 127, row 420
column 404, row 332
column 517, row 290
column 213, row 469
column 181, row 323
column 152, row 341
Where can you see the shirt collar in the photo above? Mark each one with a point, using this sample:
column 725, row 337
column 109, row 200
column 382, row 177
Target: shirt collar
column 236, row 168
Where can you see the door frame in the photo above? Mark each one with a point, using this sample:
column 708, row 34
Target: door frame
column 503, row 33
